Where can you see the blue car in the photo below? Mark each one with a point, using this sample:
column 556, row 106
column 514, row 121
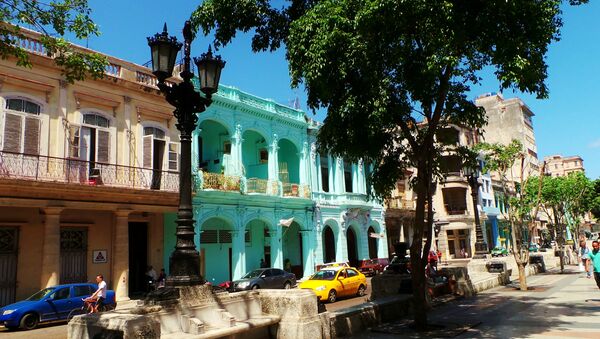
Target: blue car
column 49, row 305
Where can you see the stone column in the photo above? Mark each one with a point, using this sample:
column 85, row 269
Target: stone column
column 307, row 251
column 276, row 248
column 342, row 243
column 273, row 167
column 121, row 256
column 236, row 151
column 237, row 251
column 51, row 248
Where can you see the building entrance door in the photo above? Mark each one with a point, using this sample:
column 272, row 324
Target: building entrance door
column 352, row 247
column 9, row 241
column 73, row 255
column 138, row 258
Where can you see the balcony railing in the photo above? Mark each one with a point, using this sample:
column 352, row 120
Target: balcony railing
column 80, row 172
column 256, row 185
column 295, row 190
column 221, row 182
column 399, row 203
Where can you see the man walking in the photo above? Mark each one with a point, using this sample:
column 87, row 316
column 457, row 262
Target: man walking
column 594, row 259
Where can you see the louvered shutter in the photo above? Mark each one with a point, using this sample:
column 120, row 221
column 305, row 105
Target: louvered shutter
column 148, row 143
column 74, row 137
column 32, row 136
column 12, row 132
column 103, row 146
column 173, row 156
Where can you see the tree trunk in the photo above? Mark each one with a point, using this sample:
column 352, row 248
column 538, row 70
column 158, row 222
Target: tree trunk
column 419, row 283
column 522, row 277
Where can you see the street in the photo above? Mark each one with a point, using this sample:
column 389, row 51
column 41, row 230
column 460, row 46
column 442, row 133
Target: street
column 556, row 306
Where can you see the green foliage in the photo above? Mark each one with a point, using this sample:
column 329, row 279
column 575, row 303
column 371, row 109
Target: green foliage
column 53, row 19
column 391, row 73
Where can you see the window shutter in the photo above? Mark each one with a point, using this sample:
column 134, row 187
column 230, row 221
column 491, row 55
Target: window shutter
column 103, row 146
column 32, row 136
column 148, row 151
column 12, row 133
column 173, row 156
column 74, row 137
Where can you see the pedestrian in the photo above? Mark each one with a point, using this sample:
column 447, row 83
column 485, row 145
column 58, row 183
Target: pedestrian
column 432, row 258
column 287, row 265
column 263, row 264
column 594, row 259
column 162, row 278
column 99, row 295
column 584, row 252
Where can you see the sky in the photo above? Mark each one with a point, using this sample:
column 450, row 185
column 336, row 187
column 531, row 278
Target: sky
column 567, row 123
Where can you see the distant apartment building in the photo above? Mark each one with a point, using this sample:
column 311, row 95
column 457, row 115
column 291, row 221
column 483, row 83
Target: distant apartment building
column 558, row 166
column 510, row 119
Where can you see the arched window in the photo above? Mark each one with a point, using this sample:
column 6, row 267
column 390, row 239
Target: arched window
column 21, row 126
column 155, row 141
column 91, row 140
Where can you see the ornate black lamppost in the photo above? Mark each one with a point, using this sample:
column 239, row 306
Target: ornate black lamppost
column 184, row 263
column 472, row 175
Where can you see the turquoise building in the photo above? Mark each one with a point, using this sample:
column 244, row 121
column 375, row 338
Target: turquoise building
column 261, row 191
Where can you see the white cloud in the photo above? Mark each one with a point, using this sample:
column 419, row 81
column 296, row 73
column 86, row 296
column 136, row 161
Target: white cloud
column 595, row 144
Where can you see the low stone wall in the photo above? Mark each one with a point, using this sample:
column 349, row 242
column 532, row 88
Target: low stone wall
column 356, row 319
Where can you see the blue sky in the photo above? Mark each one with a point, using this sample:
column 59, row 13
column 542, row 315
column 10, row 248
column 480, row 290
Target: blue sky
column 567, row 123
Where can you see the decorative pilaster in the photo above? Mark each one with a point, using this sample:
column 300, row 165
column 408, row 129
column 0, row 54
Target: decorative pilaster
column 307, row 250
column 236, row 150
column 238, row 252
column 121, row 256
column 276, row 248
column 273, row 188
column 51, row 248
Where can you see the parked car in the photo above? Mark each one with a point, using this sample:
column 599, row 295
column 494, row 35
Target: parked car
column 372, row 266
column 49, row 305
column 333, row 264
column 333, row 282
column 264, row 278
column 399, row 265
column 499, row 251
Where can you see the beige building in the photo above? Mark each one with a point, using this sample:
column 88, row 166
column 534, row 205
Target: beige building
column 558, row 166
column 510, row 119
column 86, row 172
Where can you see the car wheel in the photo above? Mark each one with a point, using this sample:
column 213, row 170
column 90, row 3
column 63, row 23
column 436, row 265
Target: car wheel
column 332, row 297
column 255, row 287
column 361, row 290
column 29, row 321
column 287, row 285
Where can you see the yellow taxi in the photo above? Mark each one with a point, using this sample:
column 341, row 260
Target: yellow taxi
column 333, row 282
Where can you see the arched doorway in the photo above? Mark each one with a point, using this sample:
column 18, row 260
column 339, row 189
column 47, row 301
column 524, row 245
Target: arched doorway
column 216, row 242
column 213, row 147
column 328, row 245
column 258, row 245
column 372, row 243
column 255, row 159
column 289, row 167
column 352, row 247
column 292, row 249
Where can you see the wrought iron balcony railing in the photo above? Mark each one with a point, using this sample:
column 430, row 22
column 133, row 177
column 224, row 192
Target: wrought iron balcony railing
column 217, row 181
column 75, row 171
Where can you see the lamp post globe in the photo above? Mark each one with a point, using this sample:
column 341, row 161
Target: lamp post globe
column 184, row 262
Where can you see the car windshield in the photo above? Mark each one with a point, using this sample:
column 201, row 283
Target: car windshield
column 324, row 275
column 41, row 294
column 253, row 274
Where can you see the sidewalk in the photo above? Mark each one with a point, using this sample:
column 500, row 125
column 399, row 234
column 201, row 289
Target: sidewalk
column 556, row 306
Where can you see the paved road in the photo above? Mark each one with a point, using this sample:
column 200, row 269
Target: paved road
column 559, row 306
column 56, row 331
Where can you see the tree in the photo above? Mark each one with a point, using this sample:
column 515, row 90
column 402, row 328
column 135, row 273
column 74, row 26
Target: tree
column 53, row 19
column 524, row 197
column 392, row 73
column 565, row 200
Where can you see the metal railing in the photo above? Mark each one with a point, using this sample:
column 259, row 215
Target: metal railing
column 295, row 190
column 81, row 172
column 222, row 182
column 399, row 203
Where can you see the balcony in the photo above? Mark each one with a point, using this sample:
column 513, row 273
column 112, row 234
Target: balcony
column 80, row 172
column 221, row 182
column 295, row 190
column 256, row 185
column 400, row 203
